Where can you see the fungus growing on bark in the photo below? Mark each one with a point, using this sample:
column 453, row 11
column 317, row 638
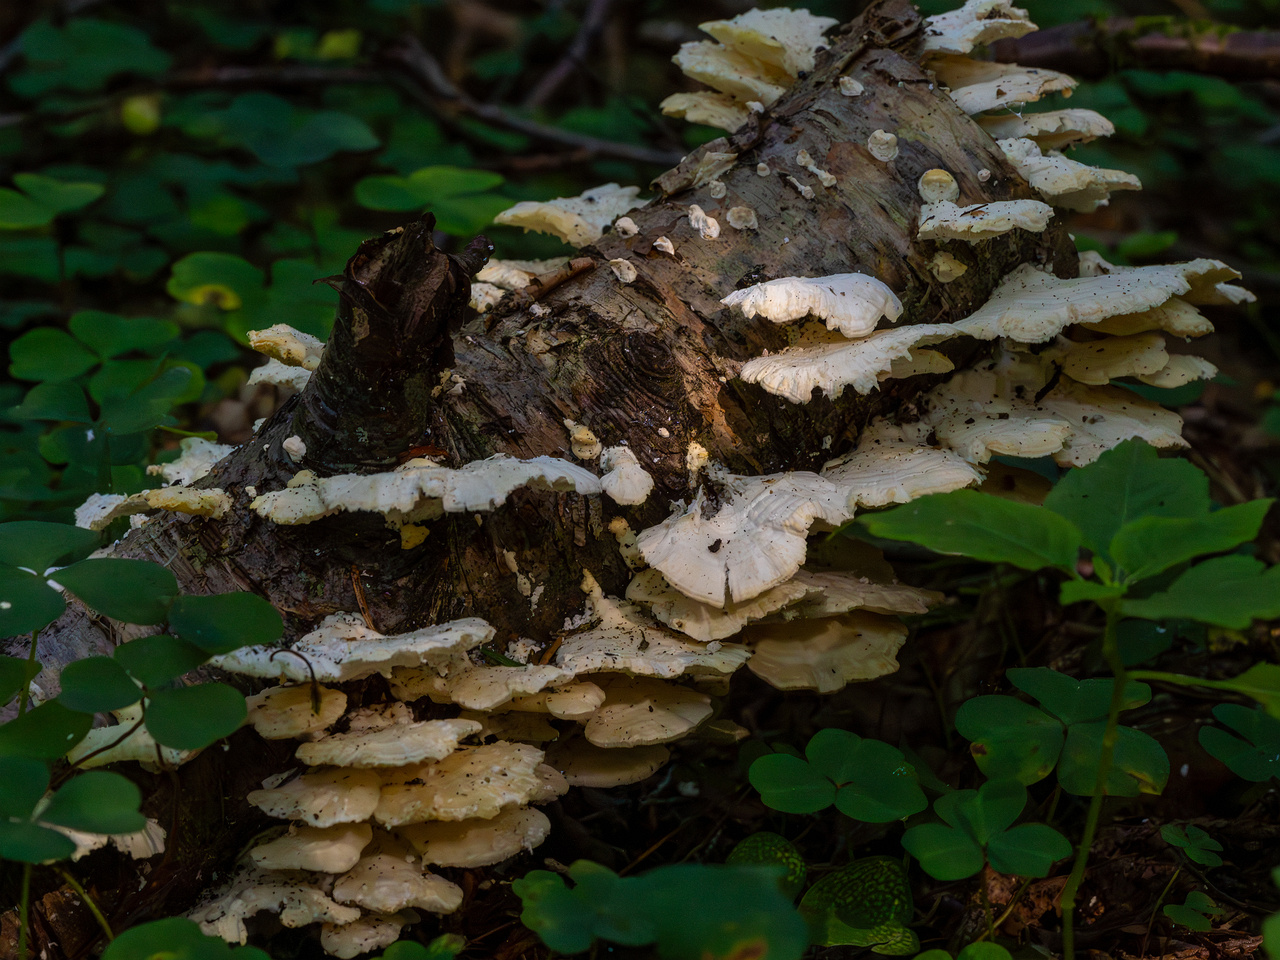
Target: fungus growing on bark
column 288, row 345
column 945, row 267
column 977, row 22
column 708, row 227
column 475, row 687
column 1064, row 182
column 625, row 482
column 195, row 460
column 387, row 882
column 805, row 160
column 883, row 145
column 624, row 270
column 1099, row 362
column 708, row 108
column 783, row 38
column 1051, row 130
column 575, row 220
column 283, row 713
column 279, row 374
column 664, row 245
column 937, row 185
column 475, row 782
column 139, row 745
column 392, row 746
column 625, row 227
column 850, row 87
column 742, row 218
column 852, row 303
column 825, row 655
column 296, row 897
column 979, row 85
column 371, row 932
column 515, row 274
column 981, row 221
column 318, row 849
column 642, row 711
column 100, row 509
column 322, row 799
column 586, row 765
column 582, row 442
column 891, row 465
column 478, row 843
column 485, row 296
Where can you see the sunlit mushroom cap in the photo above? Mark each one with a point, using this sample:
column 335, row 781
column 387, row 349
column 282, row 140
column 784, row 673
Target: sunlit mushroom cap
column 551, row 785
column 574, row 701
column 343, row 648
column 476, row 782
column 387, row 882
column 852, row 303
column 831, row 592
column 280, row 374
column 754, row 541
column 615, row 636
column 624, row 481
column 797, row 371
column 575, row 220
column 945, row 220
column 378, row 716
column 288, row 345
column 785, row 39
column 825, row 655
column 1052, row 130
column 890, row 465
column 322, row 849
column 586, row 765
column 423, row 491
column 1064, row 182
column 642, row 711
column 979, row 85
column 1209, row 280
column 296, row 897
column 1104, row 417
column 702, row 621
column 371, row 932
column 138, row 746
column 475, row 687
column 515, row 274
column 973, row 416
column 1032, row 306
column 1109, row 358
column 478, row 843
column 322, row 799
column 1174, row 316
column 390, row 746
column 280, row 713
column 707, row 107
column 514, row 725
column 100, row 510
column 196, row 459
column 1181, row 369
column 725, row 69
column 485, row 296
column 977, row 22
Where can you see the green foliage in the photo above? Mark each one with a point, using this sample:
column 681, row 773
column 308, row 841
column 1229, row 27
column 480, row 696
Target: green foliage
column 978, row 828
column 1194, row 912
column 867, row 780
column 1016, row 740
column 461, row 200
column 691, row 911
column 41, row 199
column 1255, row 754
column 867, row 904
column 178, row 938
column 1198, row 846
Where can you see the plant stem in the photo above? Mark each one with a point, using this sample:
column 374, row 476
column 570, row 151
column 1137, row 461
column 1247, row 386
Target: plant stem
column 1179, row 679
column 25, row 694
column 24, row 906
column 999, row 921
column 1156, row 909
column 88, row 901
column 1111, row 651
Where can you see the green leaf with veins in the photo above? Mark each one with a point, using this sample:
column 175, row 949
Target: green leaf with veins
column 1255, row 754
column 96, row 685
column 1151, row 545
column 133, row 591
column 1195, row 843
column 191, row 718
column 96, row 802
column 38, row 545
column 27, row 602
column 1230, row 591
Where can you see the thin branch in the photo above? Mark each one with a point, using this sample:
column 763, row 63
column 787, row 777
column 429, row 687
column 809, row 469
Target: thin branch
column 593, row 21
column 427, row 73
column 1093, row 49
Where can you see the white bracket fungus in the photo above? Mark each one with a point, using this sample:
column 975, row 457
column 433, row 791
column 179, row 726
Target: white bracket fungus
column 582, row 442
column 388, row 882
column 624, row 481
column 980, row 85
column 139, row 745
column 981, row 221
column 977, row 22
column 937, row 185
column 100, row 509
column 1051, row 130
column 475, row 687
column 290, row 895
column 1209, row 279
column 625, row 227
column 478, row 843
column 471, row 783
column 783, row 38
column 343, row 648
column 394, row 746
column 708, row 108
column 322, row 799
column 485, row 296
column 586, row 765
column 288, row 345
column 1098, row 362
column 883, row 145
column 320, row 849
column 642, row 711
column 282, row 713
column 576, row 220
column 825, row 655
column 421, row 490
column 516, row 274
column 1063, row 182
column 664, row 245
column 717, row 189
column 279, row 374
column 945, row 267
column 370, row 933
column 754, row 541
column 624, row 270
column 730, row 72
column 742, row 218
column 850, row 87
column 852, row 303
column 890, row 466
column 196, row 459
column 708, row 227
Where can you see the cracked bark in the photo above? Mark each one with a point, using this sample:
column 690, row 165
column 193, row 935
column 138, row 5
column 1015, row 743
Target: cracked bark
column 651, row 364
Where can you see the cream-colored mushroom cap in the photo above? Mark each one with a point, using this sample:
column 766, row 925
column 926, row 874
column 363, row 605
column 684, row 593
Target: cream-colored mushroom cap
column 703, row 621
column 1174, row 316
column 937, row 184
column 485, row 296
column 754, row 540
column 615, row 636
column 288, row 345
column 473, row 687
column 322, row 799
column 470, row 783
column 1064, row 182
column 730, row 72
column 852, row 303
column 825, row 655
column 551, row 785
column 421, row 490
column 516, row 274
column 981, row 221
column 514, row 725
column 387, row 882
column 389, row 747
column 195, row 460
column 478, row 843
column 586, row 765
column 797, row 371
column 883, row 145
column 625, row 482
column 378, row 716
column 785, row 39
column 1032, row 306
column 291, row 895
column 139, row 745
column 1209, row 279
column 641, row 711
column 281, row 713
column 977, row 22
column 371, row 932
column 1105, row 417
column 1181, row 369
column 100, row 510
column 889, row 465
column 1052, row 130
column 978, row 425
column 280, row 374
column 743, row 218
column 706, row 107
column 343, row 648
column 575, row 220
column 321, row 849
column 980, row 85
column 831, row 592
column 1101, row 361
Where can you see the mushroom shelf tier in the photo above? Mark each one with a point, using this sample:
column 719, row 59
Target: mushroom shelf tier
column 572, row 498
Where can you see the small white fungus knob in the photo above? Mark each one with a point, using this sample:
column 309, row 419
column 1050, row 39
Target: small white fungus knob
column 937, row 185
column 883, row 146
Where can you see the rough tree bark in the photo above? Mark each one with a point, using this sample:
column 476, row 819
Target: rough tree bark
column 651, row 364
